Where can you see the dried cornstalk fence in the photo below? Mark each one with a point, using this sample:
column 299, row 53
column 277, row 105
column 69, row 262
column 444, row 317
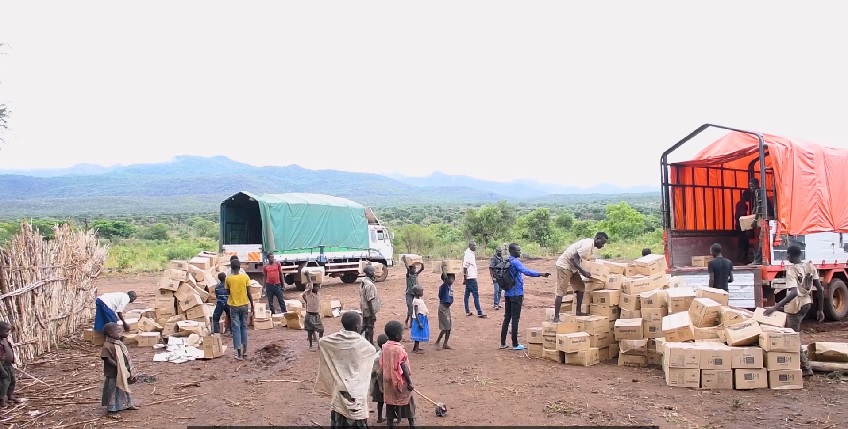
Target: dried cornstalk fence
column 47, row 286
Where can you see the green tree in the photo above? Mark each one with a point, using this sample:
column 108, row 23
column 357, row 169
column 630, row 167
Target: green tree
column 158, row 231
column 584, row 228
column 416, row 239
column 623, row 221
column 444, row 233
column 565, row 220
column 110, row 229
column 489, row 223
column 537, row 226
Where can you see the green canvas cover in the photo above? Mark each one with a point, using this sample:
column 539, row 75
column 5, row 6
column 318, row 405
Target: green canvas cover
column 293, row 223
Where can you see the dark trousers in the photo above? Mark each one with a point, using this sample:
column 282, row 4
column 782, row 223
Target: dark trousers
column 512, row 312
column 275, row 291
column 7, row 384
column 368, row 328
column 793, row 321
column 220, row 308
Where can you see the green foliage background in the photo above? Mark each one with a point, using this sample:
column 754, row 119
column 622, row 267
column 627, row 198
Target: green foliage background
column 143, row 243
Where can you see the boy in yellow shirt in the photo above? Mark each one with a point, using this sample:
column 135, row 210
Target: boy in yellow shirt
column 238, row 284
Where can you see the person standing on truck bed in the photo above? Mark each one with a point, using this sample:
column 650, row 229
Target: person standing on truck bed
column 800, row 278
column 720, row 269
column 274, row 283
column 743, row 245
column 756, row 196
column 469, row 273
column 569, row 270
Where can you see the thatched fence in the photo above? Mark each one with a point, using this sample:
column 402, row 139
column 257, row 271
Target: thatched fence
column 47, row 286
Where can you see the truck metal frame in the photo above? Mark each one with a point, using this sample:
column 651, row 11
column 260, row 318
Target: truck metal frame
column 758, row 285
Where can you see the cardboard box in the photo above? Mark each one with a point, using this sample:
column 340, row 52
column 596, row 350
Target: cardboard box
column 213, row 346
column 701, row 261
column 295, row 319
column 534, row 335
column 179, row 275
column 628, row 329
column 189, row 302
column 659, row 344
column 746, row 357
column 613, row 350
column 279, row 319
column 778, row 318
column 178, row 265
column 331, row 308
column 611, row 312
column 779, row 340
column 148, row 325
column 572, row 343
column 708, row 333
column 604, row 354
column 681, row 355
column 583, row 358
column 132, row 322
column 683, row 377
column 410, row 258
column 677, row 327
column 783, row 361
column 188, row 327
column 746, row 223
column 593, row 285
column 675, row 282
column 614, row 267
column 652, row 329
column 614, row 282
column 201, row 262
column 184, row 290
column 93, row 337
column 680, row 299
column 745, row 333
column 704, row 312
column 718, row 295
column 165, row 313
column 639, row 361
column 593, row 324
column 746, row 379
column 256, row 291
column 262, row 324
column 657, row 298
column 448, row 266
column 731, row 316
column 633, row 347
column 148, row 339
column 597, row 270
column 567, row 325
column 651, row 264
column 715, row 356
column 606, row 297
column 654, row 314
column 637, row 285
column 535, row 350
column 565, row 309
column 717, row 379
column 600, row 341
column 168, row 284
column 630, row 314
column 200, row 311
column 549, row 342
column 786, row 379
column 553, row 355
column 654, row 358
column 630, row 302
column 824, row 351
column 130, row 339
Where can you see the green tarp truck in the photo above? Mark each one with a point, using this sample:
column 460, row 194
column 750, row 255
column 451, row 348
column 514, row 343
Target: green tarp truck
column 304, row 230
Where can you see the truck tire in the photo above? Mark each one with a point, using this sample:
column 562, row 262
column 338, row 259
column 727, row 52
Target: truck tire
column 300, row 286
column 836, row 301
column 384, row 275
column 350, row 278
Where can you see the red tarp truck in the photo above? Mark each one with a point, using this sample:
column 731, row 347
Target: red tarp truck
column 801, row 197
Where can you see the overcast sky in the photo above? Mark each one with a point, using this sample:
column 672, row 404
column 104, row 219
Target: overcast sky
column 555, row 91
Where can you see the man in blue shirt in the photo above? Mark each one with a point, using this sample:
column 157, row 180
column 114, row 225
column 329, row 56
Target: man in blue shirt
column 514, row 297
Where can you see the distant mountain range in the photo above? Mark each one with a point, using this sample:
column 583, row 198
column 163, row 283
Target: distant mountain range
column 199, row 184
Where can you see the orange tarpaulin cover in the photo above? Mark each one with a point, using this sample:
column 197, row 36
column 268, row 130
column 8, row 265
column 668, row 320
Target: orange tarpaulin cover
column 811, row 184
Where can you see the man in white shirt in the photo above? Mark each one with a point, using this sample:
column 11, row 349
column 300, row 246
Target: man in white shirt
column 110, row 309
column 569, row 270
column 469, row 273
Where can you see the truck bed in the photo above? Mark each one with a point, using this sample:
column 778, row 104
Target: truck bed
column 745, row 292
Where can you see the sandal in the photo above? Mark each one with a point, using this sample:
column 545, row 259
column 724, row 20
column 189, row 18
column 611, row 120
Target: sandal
column 503, row 346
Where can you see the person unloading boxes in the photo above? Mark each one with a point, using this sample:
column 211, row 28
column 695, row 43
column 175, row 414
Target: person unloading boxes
column 312, row 323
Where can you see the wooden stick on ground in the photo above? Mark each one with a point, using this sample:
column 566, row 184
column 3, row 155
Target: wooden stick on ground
column 178, row 398
column 280, row 381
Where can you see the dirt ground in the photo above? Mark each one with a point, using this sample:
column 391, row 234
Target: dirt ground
column 480, row 384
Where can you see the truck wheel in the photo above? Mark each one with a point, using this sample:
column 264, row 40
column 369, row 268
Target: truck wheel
column 836, row 301
column 300, row 286
column 384, row 275
column 350, row 278
column 289, row 279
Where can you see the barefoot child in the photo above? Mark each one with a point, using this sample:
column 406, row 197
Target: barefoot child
column 118, row 370
column 7, row 372
column 420, row 332
column 313, row 323
column 445, row 301
column 377, row 378
column 412, row 272
column 397, row 380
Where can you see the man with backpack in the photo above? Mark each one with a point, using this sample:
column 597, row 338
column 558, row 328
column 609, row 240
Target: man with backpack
column 569, row 270
column 509, row 276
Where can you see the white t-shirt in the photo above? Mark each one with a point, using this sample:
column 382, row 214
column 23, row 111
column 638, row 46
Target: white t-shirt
column 469, row 262
column 117, row 301
column 422, row 307
column 585, row 248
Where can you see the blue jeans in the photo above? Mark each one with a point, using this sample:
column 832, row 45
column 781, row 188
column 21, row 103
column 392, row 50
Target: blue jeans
column 497, row 295
column 238, row 324
column 220, row 308
column 471, row 289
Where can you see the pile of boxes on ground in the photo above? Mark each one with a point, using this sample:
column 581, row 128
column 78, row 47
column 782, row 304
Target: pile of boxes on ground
column 644, row 317
column 185, row 302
